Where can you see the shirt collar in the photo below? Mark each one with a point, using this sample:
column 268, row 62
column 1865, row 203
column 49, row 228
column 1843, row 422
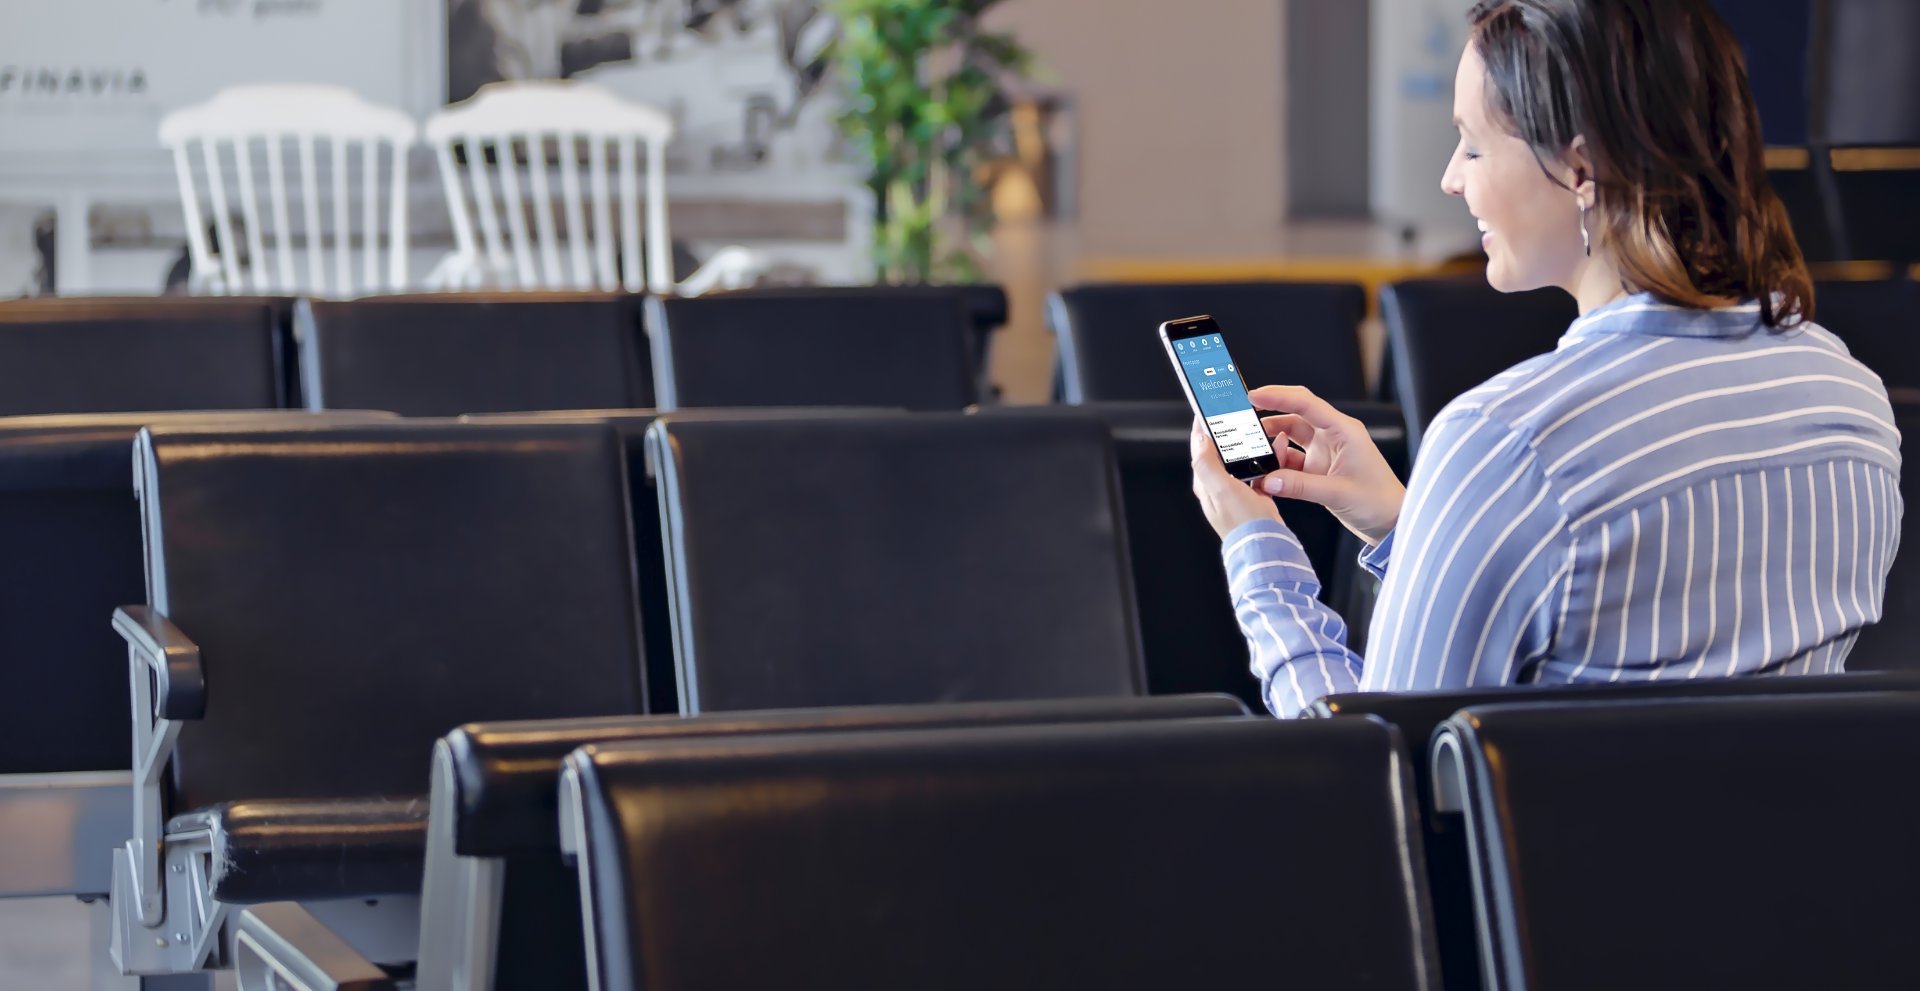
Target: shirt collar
column 1642, row 314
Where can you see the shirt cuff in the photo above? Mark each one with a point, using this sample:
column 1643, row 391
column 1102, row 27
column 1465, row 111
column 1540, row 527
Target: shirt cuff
column 1264, row 554
column 1374, row 558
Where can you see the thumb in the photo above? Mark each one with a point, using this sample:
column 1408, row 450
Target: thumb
column 1294, row 484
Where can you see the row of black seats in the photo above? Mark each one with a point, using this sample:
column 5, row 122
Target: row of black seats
column 905, row 347
column 72, row 531
column 1053, row 844
column 396, row 605
column 1444, row 336
column 445, row 355
column 316, row 559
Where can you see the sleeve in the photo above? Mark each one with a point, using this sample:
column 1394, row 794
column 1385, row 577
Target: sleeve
column 1298, row 645
column 1374, row 559
column 1481, row 564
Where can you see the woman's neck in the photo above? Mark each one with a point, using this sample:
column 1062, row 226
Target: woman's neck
column 1595, row 284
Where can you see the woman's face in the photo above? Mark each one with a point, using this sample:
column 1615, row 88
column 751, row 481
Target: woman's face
column 1530, row 227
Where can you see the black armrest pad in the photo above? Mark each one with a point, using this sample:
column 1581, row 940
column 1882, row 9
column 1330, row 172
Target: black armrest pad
column 181, row 692
column 304, row 849
column 299, row 944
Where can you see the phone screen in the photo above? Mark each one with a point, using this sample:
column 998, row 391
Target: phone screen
column 1213, row 380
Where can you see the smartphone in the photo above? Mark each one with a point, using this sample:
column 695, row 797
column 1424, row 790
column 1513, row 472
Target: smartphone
column 1217, row 394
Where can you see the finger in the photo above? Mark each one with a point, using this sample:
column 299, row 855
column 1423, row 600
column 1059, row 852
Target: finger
column 1200, row 448
column 1297, row 430
column 1291, row 457
column 1292, row 483
column 1300, row 401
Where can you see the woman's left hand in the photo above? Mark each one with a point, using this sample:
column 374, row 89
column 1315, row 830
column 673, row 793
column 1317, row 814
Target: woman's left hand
column 1227, row 501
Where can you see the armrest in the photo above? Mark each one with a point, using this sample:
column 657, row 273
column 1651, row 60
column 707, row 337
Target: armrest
column 283, row 944
column 181, row 683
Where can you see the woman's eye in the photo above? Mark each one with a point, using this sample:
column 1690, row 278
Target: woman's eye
column 1472, row 155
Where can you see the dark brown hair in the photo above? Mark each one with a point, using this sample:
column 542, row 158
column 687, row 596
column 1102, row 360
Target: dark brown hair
column 1658, row 88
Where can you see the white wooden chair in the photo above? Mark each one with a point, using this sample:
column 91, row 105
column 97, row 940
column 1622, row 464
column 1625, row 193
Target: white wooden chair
column 593, row 140
column 230, row 127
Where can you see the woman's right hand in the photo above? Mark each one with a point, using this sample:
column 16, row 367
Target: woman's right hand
column 1338, row 465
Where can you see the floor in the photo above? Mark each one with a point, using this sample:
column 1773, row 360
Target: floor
column 43, row 946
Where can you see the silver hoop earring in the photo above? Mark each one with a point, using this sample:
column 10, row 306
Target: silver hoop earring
column 1586, row 242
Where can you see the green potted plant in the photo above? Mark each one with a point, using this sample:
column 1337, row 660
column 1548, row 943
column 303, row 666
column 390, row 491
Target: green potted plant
column 926, row 103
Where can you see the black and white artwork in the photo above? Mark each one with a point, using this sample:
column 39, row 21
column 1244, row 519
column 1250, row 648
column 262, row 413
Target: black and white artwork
column 737, row 74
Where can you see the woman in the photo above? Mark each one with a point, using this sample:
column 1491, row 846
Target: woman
column 1698, row 482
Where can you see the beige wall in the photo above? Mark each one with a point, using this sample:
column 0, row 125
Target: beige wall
column 1180, row 106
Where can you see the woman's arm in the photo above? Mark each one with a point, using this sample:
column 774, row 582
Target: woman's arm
column 1479, row 573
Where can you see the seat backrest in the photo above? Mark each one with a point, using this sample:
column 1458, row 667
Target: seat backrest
column 526, row 137
column 127, row 355
column 69, row 555
column 1297, row 333
column 1419, row 714
column 1880, row 323
column 1449, row 335
column 496, row 797
column 288, row 138
column 1188, row 633
column 901, row 346
column 447, row 354
column 649, row 559
column 1735, row 821
column 358, row 592
column 1893, row 644
column 898, row 559
column 1124, row 856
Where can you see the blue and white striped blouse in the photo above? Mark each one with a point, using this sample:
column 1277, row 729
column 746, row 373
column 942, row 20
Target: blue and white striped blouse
column 1670, row 493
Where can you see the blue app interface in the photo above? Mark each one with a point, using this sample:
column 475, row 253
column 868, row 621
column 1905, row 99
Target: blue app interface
column 1222, row 397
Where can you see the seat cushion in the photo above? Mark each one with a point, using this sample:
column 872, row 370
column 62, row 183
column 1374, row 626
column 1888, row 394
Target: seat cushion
column 301, row 849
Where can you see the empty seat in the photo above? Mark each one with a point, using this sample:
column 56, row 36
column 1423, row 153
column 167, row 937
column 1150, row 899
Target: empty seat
column 124, row 355
column 1418, row 714
column 1187, row 853
column 899, row 346
column 444, row 355
column 69, row 554
column 1753, row 843
column 493, row 814
column 1297, row 333
column 1893, row 644
column 894, row 559
column 324, row 605
column 1880, row 323
column 1446, row 336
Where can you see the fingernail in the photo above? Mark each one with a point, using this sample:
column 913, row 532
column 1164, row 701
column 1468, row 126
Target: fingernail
column 1271, row 486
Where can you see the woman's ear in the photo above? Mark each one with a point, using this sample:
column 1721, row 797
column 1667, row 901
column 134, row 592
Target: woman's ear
column 1581, row 165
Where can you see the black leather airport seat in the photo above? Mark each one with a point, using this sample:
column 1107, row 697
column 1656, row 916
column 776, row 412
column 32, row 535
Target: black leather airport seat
column 69, row 555
column 324, row 607
column 1447, row 335
column 894, row 559
column 898, row 346
column 496, row 800
column 448, row 354
column 1293, row 333
column 1419, row 714
column 113, row 355
column 1185, row 853
column 1769, row 838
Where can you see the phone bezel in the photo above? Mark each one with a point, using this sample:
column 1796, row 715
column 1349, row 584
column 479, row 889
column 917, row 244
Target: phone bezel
column 1187, row 328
